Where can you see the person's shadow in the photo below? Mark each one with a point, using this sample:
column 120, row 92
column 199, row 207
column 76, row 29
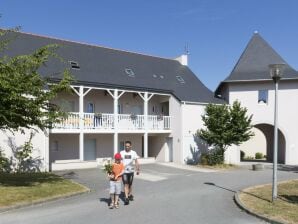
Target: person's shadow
column 108, row 200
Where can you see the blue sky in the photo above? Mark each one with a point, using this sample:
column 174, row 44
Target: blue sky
column 217, row 31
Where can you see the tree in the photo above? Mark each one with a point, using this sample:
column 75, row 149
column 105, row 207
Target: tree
column 225, row 125
column 25, row 93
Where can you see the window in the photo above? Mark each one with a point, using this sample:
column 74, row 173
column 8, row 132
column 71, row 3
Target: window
column 263, row 97
column 90, row 108
column 180, row 79
column 129, row 72
column 74, row 65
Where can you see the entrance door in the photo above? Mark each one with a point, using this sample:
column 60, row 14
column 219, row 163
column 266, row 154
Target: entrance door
column 90, row 149
column 170, row 148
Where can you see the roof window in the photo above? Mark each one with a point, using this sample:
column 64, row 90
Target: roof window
column 74, row 65
column 180, row 79
column 129, row 72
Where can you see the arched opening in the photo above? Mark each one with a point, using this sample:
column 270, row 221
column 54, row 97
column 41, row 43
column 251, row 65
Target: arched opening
column 263, row 142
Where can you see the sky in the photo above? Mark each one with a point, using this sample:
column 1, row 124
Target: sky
column 216, row 31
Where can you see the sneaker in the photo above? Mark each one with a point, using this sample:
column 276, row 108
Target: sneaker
column 117, row 205
column 130, row 197
column 111, row 206
column 126, row 201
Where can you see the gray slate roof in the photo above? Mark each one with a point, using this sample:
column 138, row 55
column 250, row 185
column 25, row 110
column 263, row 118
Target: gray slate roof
column 104, row 67
column 254, row 61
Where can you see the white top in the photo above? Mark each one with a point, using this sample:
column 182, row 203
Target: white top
column 128, row 158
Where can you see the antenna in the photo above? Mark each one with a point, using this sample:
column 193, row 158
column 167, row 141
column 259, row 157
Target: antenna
column 186, row 48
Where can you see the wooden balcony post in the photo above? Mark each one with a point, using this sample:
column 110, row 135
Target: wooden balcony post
column 146, row 124
column 115, row 96
column 81, row 115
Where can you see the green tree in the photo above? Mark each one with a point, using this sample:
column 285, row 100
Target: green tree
column 225, row 125
column 25, row 93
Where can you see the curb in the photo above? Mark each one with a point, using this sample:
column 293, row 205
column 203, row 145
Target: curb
column 243, row 207
column 43, row 201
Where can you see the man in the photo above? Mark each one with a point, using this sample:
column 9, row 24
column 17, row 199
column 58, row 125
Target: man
column 129, row 156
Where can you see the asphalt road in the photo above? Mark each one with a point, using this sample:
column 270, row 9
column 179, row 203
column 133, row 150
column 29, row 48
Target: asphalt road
column 163, row 195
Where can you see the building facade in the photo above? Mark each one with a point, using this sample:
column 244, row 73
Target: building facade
column 156, row 103
column 251, row 84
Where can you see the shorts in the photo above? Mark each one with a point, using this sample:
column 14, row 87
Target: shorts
column 127, row 178
column 115, row 187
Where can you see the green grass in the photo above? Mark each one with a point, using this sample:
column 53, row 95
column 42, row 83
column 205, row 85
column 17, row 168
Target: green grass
column 284, row 209
column 16, row 189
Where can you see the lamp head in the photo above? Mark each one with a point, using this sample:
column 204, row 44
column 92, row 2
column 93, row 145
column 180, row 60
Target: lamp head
column 276, row 71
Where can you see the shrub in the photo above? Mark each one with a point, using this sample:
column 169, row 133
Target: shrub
column 204, row 159
column 215, row 157
column 4, row 163
column 259, row 155
column 242, row 154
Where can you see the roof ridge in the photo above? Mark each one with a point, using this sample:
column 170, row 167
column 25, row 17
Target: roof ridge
column 92, row 45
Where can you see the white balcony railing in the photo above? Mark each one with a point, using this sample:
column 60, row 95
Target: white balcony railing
column 106, row 121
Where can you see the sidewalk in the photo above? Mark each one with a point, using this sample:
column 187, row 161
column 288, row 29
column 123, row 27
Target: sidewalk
column 188, row 167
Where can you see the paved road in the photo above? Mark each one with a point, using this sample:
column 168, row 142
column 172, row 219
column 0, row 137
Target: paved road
column 163, row 195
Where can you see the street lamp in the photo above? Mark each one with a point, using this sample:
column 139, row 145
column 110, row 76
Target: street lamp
column 276, row 71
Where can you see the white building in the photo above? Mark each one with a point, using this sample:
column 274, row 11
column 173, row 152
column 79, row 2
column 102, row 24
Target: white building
column 251, row 84
column 154, row 102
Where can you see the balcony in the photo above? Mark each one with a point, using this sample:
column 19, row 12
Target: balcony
column 104, row 121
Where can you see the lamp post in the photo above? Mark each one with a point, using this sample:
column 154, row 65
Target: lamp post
column 276, row 71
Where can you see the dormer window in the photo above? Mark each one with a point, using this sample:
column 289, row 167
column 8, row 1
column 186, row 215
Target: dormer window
column 129, row 72
column 180, row 79
column 74, row 65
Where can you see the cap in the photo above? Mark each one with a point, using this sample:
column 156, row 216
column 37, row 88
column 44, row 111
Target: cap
column 117, row 156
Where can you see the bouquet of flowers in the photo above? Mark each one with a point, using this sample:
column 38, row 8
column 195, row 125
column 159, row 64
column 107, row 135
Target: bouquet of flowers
column 107, row 167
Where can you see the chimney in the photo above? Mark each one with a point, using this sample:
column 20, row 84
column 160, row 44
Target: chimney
column 183, row 59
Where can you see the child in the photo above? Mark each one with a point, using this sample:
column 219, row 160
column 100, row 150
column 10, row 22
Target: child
column 115, row 181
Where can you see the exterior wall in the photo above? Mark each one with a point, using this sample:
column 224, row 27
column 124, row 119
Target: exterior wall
column 247, row 94
column 104, row 144
column 103, row 101
column 176, row 122
column 191, row 122
column 156, row 103
column 63, row 100
column 136, row 142
column 17, row 139
column 68, row 147
column 256, row 144
column 157, row 147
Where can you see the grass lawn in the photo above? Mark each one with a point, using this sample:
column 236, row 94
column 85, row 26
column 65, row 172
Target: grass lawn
column 284, row 209
column 17, row 189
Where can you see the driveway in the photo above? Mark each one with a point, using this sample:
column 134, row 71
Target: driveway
column 163, row 195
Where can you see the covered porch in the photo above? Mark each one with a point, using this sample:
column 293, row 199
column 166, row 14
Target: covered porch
column 64, row 150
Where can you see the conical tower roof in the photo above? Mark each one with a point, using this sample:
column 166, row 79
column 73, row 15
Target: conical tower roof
column 254, row 61
column 253, row 64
